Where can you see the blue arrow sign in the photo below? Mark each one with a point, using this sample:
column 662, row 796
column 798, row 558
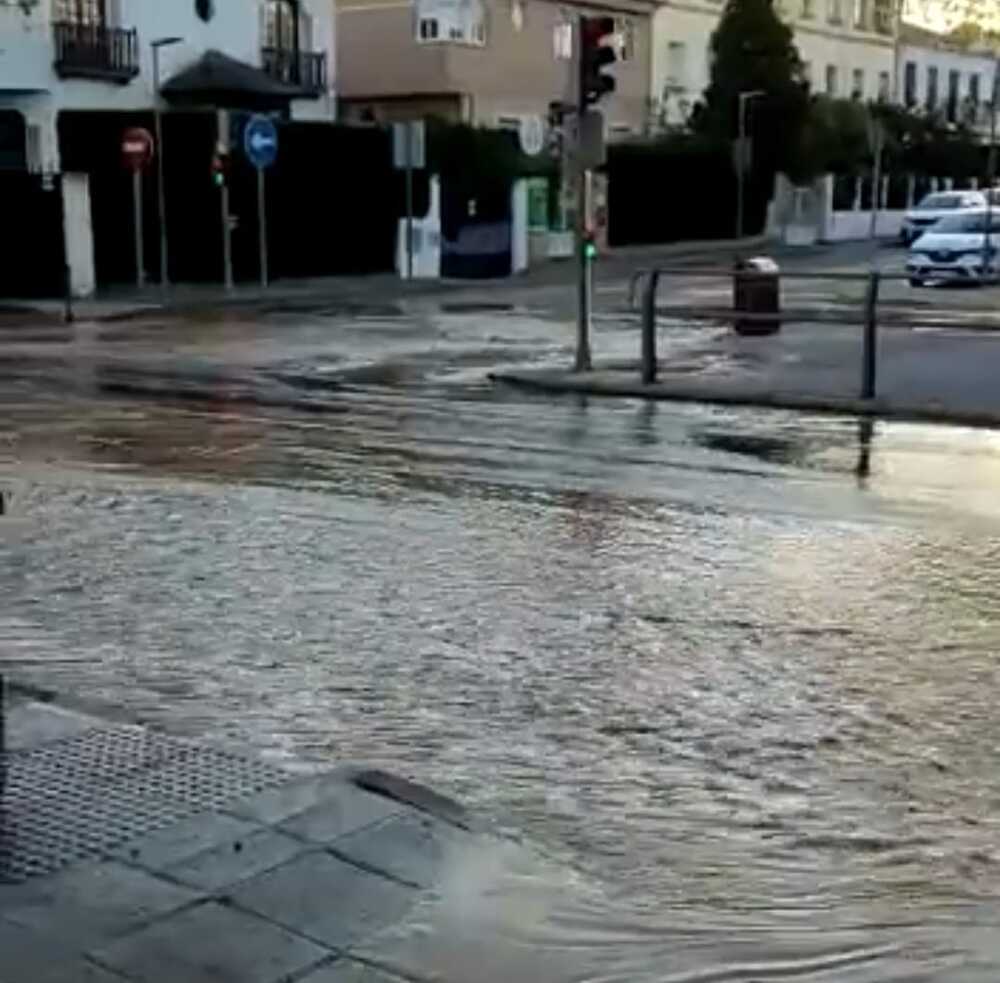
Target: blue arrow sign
column 260, row 141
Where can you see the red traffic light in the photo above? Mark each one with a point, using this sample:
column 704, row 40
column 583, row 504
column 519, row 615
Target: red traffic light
column 596, row 53
column 595, row 29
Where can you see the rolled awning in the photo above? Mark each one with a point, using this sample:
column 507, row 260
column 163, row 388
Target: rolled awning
column 217, row 80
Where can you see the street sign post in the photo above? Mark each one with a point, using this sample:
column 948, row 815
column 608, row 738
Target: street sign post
column 137, row 152
column 220, row 174
column 408, row 151
column 260, row 144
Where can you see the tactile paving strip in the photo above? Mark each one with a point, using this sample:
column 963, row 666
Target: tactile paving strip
column 80, row 797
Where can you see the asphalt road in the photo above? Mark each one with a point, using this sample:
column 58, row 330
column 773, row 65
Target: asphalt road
column 734, row 669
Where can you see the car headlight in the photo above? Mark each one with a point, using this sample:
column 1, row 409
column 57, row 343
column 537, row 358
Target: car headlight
column 977, row 254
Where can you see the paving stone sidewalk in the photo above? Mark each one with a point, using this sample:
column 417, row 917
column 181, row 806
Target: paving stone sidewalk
column 129, row 855
column 943, row 376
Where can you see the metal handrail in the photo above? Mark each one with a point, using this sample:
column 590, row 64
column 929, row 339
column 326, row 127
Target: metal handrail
column 305, row 69
column 94, row 50
column 870, row 319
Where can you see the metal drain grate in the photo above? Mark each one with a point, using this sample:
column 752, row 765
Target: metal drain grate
column 81, row 797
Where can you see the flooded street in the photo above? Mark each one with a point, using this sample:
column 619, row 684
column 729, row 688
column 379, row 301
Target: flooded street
column 736, row 670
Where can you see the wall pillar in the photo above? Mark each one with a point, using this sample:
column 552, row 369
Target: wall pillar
column 79, row 232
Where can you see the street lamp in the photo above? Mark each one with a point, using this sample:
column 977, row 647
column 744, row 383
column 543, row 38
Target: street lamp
column 161, row 191
column 742, row 155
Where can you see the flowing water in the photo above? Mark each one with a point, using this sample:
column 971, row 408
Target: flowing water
column 738, row 670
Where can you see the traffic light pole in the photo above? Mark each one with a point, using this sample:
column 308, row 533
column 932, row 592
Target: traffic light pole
column 584, row 271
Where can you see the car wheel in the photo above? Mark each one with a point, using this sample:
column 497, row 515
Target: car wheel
column 915, row 281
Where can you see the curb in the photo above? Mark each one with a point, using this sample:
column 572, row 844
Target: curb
column 840, row 406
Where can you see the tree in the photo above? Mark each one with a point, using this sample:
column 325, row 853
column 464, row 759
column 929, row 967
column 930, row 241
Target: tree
column 753, row 51
column 965, row 14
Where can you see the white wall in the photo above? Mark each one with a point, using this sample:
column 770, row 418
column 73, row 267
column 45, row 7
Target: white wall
column 78, row 230
column 684, row 79
column 820, row 47
column 26, row 52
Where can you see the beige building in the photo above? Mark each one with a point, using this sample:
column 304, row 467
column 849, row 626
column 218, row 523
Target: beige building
column 848, row 48
column 489, row 62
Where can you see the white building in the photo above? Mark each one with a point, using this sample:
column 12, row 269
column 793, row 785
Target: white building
column 847, row 46
column 939, row 77
column 59, row 56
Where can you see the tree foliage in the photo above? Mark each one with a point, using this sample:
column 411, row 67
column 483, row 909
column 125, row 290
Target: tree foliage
column 753, row 51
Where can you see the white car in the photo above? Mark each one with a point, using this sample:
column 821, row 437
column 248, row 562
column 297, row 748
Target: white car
column 957, row 249
column 936, row 206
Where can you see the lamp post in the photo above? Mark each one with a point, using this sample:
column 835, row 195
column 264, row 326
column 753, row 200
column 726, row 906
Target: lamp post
column 742, row 155
column 161, row 191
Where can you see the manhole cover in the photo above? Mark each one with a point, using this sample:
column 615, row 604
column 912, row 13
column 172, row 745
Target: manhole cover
column 81, row 797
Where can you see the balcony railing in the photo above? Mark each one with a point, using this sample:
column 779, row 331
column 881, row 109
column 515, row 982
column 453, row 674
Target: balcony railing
column 96, row 52
column 305, row 70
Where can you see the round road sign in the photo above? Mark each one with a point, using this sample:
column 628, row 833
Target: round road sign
column 260, row 141
column 532, row 134
column 137, row 148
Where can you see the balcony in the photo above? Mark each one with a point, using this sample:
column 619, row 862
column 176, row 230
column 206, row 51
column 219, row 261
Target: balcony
column 303, row 70
column 91, row 51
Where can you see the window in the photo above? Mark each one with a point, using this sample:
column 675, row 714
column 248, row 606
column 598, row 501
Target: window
column 463, row 21
column 974, row 88
column 835, row 13
column 517, row 14
column 808, row 9
column 861, row 15
column 910, row 84
column 677, row 64
column 932, row 87
column 279, row 25
column 885, row 17
column 884, row 86
column 954, row 78
column 562, row 42
column 625, row 30
column 831, row 80
column 80, row 11
column 807, row 73
column 857, row 83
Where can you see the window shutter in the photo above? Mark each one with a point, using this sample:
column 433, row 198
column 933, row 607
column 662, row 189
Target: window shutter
column 305, row 30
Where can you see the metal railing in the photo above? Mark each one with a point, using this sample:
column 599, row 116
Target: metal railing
column 94, row 51
column 874, row 313
column 305, row 70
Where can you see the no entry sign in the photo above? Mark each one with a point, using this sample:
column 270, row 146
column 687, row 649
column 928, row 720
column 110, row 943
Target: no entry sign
column 137, row 148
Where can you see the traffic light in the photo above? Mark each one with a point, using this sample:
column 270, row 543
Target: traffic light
column 589, row 245
column 596, row 54
column 220, row 170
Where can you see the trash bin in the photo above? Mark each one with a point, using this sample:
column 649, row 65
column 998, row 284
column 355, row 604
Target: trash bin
column 756, row 290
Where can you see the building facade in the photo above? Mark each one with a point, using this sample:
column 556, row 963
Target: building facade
column 848, row 48
column 942, row 78
column 80, row 59
column 486, row 62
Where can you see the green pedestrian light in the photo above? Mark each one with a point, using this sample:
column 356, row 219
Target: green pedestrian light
column 220, row 165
